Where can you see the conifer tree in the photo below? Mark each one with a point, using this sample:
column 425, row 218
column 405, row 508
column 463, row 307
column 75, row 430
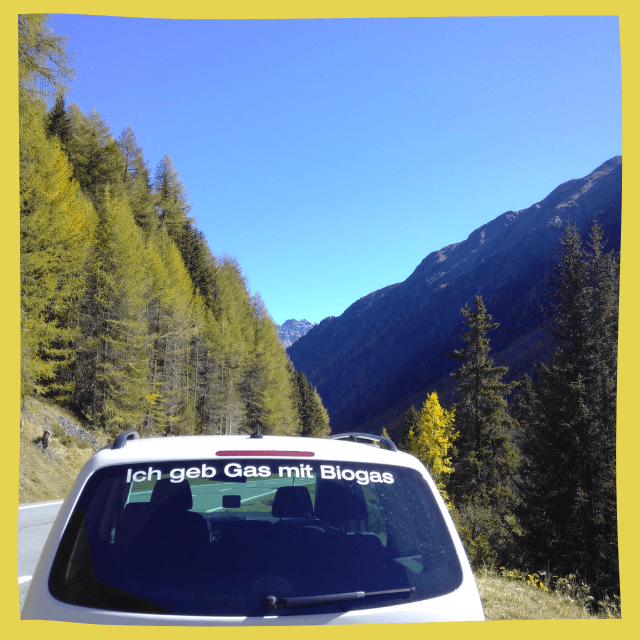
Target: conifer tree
column 172, row 204
column 123, row 305
column 172, row 201
column 433, row 440
column 44, row 65
column 95, row 156
column 57, row 226
column 313, row 416
column 318, row 417
column 110, row 372
column 528, row 412
column 486, row 460
column 571, row 508
column 171, row 328
column 136, row 179
column 59, row 122
column 265, row 384
column 230, row 308
column 202, row 358
column 410, row 423
column 199, row 261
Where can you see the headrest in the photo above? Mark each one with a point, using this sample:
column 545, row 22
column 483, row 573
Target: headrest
column 173, row 496
column 292, row 502
column 337, row 503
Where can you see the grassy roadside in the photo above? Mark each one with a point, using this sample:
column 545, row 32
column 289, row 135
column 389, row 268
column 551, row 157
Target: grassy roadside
column 523, row 597
column 48, row 475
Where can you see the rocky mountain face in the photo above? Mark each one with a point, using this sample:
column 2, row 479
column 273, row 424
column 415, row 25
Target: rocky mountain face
column 387, row 350
column 291, row 330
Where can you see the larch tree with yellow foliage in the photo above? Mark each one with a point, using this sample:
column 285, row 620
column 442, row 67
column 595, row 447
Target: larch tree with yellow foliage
column 432, row 441
column 126, row 315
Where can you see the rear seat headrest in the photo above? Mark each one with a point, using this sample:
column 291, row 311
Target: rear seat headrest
column 175, row 496
column 337, row 503
column 292, row 502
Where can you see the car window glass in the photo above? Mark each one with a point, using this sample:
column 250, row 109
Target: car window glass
column 220, row 537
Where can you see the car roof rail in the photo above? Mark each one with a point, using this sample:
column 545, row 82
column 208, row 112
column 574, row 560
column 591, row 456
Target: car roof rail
column 123, row 438
column 365, row 438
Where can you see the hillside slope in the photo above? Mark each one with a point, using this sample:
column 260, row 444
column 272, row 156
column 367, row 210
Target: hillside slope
column 48, row 473
column 387, row 350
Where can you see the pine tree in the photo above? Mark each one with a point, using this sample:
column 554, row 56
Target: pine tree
column 571, row 519
column 527, row 411
column 172, row 201
column 486, row 460
column 59, row 122
column 199, row 261
column 136, row 179
column 410, row 424
column 95, row 156
column 313, row 416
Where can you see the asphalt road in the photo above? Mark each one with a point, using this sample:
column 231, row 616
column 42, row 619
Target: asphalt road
column 34, row 523
column 207, row 498
column 204, row 496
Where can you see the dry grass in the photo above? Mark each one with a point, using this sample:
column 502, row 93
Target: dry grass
column 505, row 598
column 48, row 475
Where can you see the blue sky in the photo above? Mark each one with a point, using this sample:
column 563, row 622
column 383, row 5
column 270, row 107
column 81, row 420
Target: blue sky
column 331, row 156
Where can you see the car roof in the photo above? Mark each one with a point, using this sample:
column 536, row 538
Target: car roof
column 266, row 447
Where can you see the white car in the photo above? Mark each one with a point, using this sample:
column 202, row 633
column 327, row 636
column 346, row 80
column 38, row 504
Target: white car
column 253, row 530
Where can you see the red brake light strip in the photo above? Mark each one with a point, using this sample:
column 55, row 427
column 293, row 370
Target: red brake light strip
column 263, row 453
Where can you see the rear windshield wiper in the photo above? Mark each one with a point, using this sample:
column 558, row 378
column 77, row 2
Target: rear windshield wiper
column 273, row 602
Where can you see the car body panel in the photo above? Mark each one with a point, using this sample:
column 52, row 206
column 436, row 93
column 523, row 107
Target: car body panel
column 462, row 604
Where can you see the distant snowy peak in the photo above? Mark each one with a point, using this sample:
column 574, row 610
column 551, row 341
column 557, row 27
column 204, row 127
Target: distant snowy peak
column 291, row 330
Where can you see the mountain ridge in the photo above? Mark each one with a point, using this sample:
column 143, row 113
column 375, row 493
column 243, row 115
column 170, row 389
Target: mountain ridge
column 291, row 330
column 391, row 342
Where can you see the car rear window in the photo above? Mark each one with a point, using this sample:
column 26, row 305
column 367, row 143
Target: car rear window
column 236, row 537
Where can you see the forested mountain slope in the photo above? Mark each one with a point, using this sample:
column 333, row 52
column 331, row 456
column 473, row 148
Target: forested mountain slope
column 127, row 317
column 387, row 350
